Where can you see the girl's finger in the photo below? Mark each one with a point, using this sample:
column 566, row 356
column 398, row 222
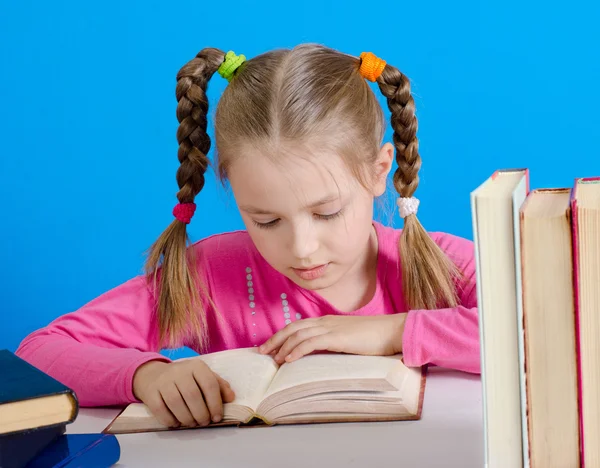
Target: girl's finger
column 192, row 396
column 293, row 341
column 227, row 393
column 273, row 343
column 211, row 391
column 174, row 401
column 160, row 410
column 317, row 343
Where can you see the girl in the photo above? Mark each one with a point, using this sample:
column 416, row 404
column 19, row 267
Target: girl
column 299, row 137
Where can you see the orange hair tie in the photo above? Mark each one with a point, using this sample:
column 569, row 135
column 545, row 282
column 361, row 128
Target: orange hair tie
column 371, row 66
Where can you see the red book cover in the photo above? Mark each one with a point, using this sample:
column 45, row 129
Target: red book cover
column 576, row 262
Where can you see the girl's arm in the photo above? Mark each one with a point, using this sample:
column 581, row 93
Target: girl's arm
column 447, row 337
column 443, row 337
column 97, row 349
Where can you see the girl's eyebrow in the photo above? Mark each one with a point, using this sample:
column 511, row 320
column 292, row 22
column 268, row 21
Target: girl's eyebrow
column 322, row 201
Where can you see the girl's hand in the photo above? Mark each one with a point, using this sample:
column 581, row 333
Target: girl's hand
column 182, row 393
column 380, row 335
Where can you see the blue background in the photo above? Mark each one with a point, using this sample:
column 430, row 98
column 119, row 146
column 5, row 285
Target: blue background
column 87, row 119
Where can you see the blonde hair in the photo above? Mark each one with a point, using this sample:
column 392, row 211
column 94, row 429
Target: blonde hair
column 310, row 94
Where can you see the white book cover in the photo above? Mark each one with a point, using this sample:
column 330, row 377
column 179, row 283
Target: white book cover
column 518, row 196
column 481, row 324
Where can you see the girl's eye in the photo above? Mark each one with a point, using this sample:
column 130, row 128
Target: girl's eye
column 329, row 216
column 268, row 225
column 274, row 223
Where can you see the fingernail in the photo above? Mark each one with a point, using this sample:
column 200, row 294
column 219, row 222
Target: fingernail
column 261, row 348
column 216, row 418
column 288, row 358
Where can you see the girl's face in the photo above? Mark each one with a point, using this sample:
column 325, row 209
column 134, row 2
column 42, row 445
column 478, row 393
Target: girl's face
column 310, row 218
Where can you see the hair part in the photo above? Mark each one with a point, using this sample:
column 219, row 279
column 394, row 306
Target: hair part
column 310, row 95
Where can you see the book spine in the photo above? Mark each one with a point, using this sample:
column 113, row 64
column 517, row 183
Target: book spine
column 482, row 341
column 92, row 450
column 525, row 386
column 517, row 239
column 575, row 252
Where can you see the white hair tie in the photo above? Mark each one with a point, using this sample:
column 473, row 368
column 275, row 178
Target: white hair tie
column 407, row 206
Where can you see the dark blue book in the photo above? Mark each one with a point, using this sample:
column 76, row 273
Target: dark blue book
column 24, row 389
column 79, row 450
column 48, row 405
column 18, row 449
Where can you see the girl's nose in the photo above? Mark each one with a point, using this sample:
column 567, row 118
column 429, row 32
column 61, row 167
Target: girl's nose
column 305, row 240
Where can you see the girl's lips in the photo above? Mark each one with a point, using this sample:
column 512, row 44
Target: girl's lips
column 311, row 273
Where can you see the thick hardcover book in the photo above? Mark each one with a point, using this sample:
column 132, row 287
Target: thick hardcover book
column 585, row 208
column 495, row 208
column 18, row 449
column 30, row 398
column 79, row 450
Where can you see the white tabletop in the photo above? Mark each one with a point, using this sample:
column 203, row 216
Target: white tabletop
column 449, row 434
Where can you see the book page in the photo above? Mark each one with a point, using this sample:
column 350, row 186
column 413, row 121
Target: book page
column 322, row 367
column 390, row 396
column 248, row 372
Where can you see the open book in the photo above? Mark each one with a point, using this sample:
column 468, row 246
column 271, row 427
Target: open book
column 314, row 389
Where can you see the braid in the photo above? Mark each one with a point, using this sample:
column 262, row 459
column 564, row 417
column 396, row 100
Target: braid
column 194, row 142
column 179, row 305
column 427, row 274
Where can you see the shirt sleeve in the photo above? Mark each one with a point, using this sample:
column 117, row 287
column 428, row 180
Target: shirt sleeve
column 448, row 337
column 96, row 350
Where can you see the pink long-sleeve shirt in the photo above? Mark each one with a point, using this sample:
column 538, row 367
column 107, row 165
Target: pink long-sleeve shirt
column 97, row 349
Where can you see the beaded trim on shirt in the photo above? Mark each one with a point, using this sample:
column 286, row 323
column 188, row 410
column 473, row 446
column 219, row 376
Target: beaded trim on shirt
column 287, row 314
column 251, row 299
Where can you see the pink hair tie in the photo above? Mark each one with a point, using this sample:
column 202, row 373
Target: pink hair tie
column 184, row 212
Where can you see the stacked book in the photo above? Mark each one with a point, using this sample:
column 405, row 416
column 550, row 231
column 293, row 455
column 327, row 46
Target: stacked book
column 35, row 410
column 538, row 281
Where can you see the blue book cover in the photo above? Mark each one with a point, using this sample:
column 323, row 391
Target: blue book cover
column 79, row 450
column 22, row 384
column 17, row 449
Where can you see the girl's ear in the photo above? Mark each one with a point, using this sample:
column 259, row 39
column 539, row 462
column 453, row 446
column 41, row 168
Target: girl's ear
column 383, row 165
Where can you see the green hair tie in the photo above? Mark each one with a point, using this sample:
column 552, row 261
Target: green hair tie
column 230, row 65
